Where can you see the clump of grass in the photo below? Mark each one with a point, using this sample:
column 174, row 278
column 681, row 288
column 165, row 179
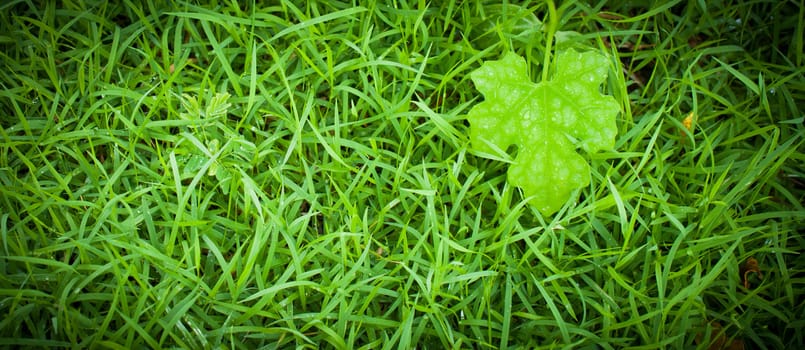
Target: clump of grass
column 299, row 175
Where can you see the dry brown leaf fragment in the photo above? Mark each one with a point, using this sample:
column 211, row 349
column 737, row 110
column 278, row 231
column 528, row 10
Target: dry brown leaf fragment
column 750, row 266
column 172, row 67
column 610, row 16
column 721, row 342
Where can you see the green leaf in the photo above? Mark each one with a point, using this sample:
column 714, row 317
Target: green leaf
column 548, row 121
column 218, row 106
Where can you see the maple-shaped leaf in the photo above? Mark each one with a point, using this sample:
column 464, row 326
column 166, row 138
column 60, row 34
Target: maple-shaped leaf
column 547, row 121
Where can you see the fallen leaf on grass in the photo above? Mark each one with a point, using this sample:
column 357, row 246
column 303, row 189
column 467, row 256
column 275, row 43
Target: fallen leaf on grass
column 548, row 121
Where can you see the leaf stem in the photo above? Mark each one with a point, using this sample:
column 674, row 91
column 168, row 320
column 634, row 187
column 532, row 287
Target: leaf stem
column 552, row 22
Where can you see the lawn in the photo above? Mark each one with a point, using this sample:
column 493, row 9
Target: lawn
column 301, row 174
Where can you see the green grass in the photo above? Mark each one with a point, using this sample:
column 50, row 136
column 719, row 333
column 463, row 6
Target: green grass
column 301, row 176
